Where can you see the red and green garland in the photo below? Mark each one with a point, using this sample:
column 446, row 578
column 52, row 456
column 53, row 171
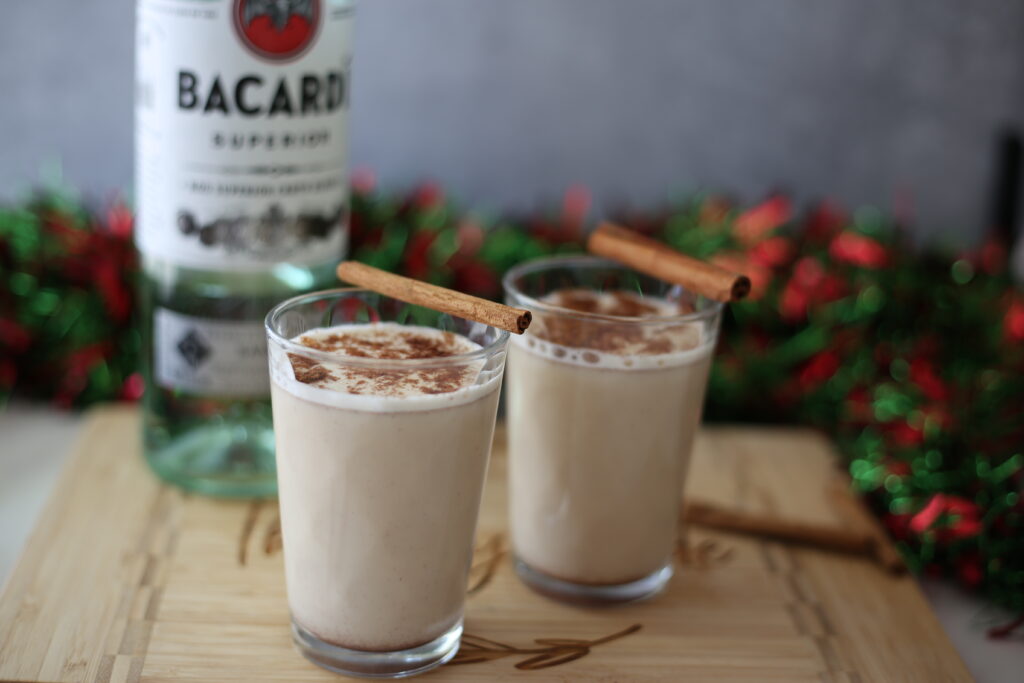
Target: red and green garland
column 912, row 361
column 67, row 303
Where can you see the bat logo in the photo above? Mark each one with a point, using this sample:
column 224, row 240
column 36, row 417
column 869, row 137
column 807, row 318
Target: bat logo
column 277, row 29
column 278, row 11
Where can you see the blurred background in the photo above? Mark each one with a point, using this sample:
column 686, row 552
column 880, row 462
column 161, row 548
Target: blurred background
column 562, row 111
column 505, row 104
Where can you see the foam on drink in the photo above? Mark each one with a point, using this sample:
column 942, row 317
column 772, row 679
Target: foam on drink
column 622, row 344
column 342, row 383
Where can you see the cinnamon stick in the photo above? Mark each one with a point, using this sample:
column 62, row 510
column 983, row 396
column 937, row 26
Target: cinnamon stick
column 852, row 542
column 661, row 261
column 412, row 291
column 885, row 553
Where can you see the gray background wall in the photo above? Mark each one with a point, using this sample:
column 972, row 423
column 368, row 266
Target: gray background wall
column 508, row 103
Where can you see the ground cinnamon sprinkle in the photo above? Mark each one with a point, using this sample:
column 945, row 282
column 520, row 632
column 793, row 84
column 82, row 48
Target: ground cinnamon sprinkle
column 308, row 371
column 387, row 344
column 619, row 303
column 577, row 300
column 443, row 380
column 630, row 306
column 609, row 336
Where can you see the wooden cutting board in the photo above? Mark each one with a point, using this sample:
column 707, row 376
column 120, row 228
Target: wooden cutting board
column 125, row 579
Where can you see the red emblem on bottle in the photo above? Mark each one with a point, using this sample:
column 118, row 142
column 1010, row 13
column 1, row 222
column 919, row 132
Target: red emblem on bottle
column 277, row 30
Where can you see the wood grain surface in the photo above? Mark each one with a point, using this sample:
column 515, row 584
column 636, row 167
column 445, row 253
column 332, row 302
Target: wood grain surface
column 127, row 580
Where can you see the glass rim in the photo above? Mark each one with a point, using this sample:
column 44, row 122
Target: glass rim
column 483, row 353
column 586, row 261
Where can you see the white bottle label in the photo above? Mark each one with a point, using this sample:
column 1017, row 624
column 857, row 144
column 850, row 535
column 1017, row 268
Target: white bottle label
column 241, row 109
column 223, row 358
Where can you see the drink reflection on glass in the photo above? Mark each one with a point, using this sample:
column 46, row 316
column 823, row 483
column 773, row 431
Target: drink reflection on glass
column 384, row 414
column 604, row 398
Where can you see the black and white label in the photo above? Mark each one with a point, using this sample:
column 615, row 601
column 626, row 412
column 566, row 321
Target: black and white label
column 241, row 149
column 223, row 358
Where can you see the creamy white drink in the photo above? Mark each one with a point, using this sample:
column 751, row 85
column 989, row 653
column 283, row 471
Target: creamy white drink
column 381, row 471
column 603, row 404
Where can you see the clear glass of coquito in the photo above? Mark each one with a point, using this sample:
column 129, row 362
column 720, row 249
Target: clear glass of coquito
column 605, row 392
column 383, row 417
